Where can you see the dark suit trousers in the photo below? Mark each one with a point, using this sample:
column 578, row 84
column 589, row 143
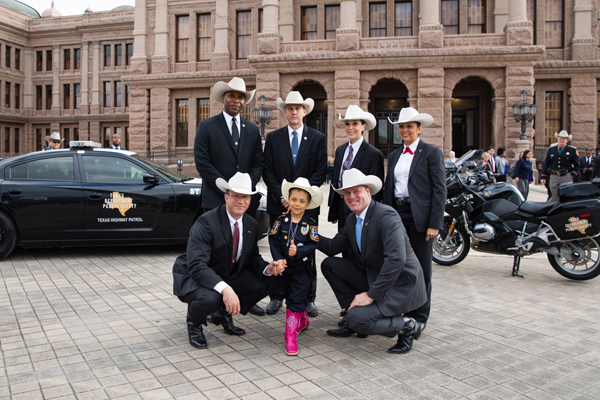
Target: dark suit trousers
column 347, row 280
column 248, row 287
column 424, row 251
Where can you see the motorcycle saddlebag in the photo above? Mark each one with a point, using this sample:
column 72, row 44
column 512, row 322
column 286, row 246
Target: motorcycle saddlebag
column 576, row 219
column 576, row 191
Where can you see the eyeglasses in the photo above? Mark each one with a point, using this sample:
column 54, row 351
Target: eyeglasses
column 55, row 141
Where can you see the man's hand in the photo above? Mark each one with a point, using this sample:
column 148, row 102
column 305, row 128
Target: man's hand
column 286, row 205
column 293, row 249
column 542, row 181
column 232, row 303
column 360, row 300
column 333, row 222
column 431, row 233
column 276, row 267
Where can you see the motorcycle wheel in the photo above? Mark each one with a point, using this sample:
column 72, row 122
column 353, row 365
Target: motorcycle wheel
column 586, row 266
column 454, row 251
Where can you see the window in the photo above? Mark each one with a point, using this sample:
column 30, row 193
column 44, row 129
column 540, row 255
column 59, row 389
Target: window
column 118, row 94
column 244, row 30
column 554, row 24
column 129, row 50
column 48, row 97
column 531, row 15
column 125, row 138
column 17, row 58
column 107, row 61
column 17, row 132
column 204, row 109
column 204, row 50
column 332, row 21
column 55, row 169
column 48, row 60
column 554, row 115
column 67, row 59
column 181, row 139
column 7, row 94
column 118, row 54
column 77, row 56
column 309, row 23
column 17, row 96
column 403, row 18
column 476, row 16
column 39, row 61
column 75, row 133
column 38, row 98
column 39, row 143
column 66, row 136
column 183, row 38
column 377, row 20
column 112, row 170
column 7, row 140
column 106, row 94
column 66, row 96
column 107, row 136
column 126, row 95
column 77, row 90
column 7, row 56
column 260, row 20
column 450, row 17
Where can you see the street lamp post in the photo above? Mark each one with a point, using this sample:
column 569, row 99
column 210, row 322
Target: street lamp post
column 524, row 113
column 262, row 116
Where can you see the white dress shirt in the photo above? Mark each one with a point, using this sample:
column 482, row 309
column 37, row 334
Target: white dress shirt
column 238, row 121
column 402, row 170
column 299, row 132
column 355, row 148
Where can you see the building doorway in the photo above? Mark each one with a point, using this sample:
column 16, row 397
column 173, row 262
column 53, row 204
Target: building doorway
column 317, row 119
column 388, row 97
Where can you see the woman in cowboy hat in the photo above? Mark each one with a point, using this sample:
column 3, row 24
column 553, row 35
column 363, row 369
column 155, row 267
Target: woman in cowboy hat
column 54, row 141
column 561, row 164
column 416, row 188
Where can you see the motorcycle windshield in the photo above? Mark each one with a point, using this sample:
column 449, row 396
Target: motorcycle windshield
column 471, row 155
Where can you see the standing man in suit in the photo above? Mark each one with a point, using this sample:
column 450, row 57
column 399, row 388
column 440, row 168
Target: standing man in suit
column 115, row 142
column 416, row 187
column 222, row 272
column 294, row 151
column 384, row 281
column 587, row 165
column 492, row 161
column 561, row 164
column 596, row 170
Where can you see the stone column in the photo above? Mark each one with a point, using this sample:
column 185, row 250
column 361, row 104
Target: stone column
column 139, row 62
column 84, row 107
column 220, row 56
column 347, row 92
column 500, row 15
column 160, row 59
column 447, row 124
column 431, row 101
column 160, row 113
column 269, row 39
column 519, row 31
column 56, row 104
column 499, row 122
column 96, row 57
column 286, row 20
column 139, row 119
column 95, row 133
column 347, row 37
column 267, row 84
column 517, row 80
column 28, row 87
column 583, row 112
column 584, row 44
column 431, row 32
column 359, row 17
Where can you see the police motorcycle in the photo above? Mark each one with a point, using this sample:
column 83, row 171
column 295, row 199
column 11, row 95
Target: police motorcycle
column 494, row 218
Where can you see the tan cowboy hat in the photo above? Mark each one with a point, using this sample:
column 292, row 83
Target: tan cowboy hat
column 409, row 114
column 239, row 183
column 355, row 112
column 564, row 134
column 295, row 98
column 354, row 177
column 316, row 196
column 54, row 136
column 234, row 85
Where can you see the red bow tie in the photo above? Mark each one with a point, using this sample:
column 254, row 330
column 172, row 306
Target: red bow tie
column 408, row 150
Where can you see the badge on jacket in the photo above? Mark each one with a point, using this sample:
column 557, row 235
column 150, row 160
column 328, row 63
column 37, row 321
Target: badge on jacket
column 304, row 229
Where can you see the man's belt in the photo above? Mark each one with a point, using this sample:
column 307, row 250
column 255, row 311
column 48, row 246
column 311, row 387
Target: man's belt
column 557, row 172
column 401, row 201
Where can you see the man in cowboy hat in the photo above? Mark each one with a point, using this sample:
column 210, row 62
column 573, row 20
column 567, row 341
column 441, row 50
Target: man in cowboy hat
column 416, row 187
column 561, row 164
column 54, row 141
column 292, row 152
column 384, row 281
column 222, row 272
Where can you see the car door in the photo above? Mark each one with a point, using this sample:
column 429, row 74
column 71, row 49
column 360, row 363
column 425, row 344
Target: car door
column 45, row 198
column 118, row 204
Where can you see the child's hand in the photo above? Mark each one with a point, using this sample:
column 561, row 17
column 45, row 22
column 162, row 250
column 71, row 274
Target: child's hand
column 281, row 264
column 292, row 251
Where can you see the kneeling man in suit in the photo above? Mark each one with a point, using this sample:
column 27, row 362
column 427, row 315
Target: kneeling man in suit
column 385, row 280
column 222, row 272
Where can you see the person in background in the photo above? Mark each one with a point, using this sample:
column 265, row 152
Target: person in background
column 452, row 156
column 116, row 142
column 524, row 173
column 492, row 160
column 54, row 141
column 587, row 165
column 561, row 164
column 596, row 171
column 501, row 164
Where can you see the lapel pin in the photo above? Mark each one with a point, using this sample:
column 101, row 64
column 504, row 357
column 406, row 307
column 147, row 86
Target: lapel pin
column 305, row 138
column 236, row 143
column 244, row 125
column 420, row 150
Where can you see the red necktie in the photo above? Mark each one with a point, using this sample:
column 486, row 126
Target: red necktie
column 236, row 243
column 408, row 150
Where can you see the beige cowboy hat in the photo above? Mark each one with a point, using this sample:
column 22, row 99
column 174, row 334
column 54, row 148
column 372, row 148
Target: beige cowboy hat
column 295, row 97
column 356, row 113
column 316, row 196
column 239, row 183
column 54, row 136
column 564, row 134
column 235, row 85
column 354, row 177
column 409, row 114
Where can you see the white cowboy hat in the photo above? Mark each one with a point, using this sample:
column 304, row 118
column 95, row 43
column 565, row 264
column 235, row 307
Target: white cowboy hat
column 295, row 98
column 235, row 85
column 409, row 114
column 354, row 177
column 239, row 183
column 54, row 136
column 564, row 134
column 316, row 196
column 355, row 112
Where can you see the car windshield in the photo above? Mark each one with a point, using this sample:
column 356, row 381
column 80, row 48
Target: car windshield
column 160, row 168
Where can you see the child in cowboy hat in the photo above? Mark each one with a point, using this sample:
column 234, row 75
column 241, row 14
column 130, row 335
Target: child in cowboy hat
column 294, row 238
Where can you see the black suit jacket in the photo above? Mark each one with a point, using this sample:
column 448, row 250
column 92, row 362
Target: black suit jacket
column 596, row 172
column 394, row 274
column 208, row 256
column 215, row 156
column 426, row 185
column 311, row 164
column 586, row 175
column 367, row 160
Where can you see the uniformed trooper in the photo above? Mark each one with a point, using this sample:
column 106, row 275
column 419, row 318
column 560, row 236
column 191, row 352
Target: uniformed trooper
column 561, row 165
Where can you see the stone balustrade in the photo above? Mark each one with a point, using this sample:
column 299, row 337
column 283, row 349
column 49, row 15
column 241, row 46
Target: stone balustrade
column 475, row 40
column 390, row 43
column 307, row 46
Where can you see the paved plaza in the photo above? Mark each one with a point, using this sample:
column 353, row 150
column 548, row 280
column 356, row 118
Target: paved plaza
column 101, row 323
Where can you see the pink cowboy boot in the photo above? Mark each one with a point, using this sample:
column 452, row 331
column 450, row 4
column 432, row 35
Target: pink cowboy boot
column 292, row 321
column 304, row 322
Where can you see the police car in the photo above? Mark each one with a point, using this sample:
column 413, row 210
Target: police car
column 86, row 195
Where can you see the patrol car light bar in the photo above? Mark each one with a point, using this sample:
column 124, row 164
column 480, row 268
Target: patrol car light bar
column 83, row 144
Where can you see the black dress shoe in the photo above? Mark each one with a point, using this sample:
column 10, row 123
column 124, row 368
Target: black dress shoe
column 256, row 310
column 410, row 332
column 196, row 335
column 222, row 317
column 312, row 309
column 343, row 312
column 422, row 325
column 274, row 306
column 344, row 331
column 342, row 322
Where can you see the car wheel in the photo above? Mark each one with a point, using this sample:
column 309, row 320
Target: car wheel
column 8, row 235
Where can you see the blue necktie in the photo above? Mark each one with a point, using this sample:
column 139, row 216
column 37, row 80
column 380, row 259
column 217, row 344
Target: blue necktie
column 358, row 231
column 295, row 146
column 559, row 151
